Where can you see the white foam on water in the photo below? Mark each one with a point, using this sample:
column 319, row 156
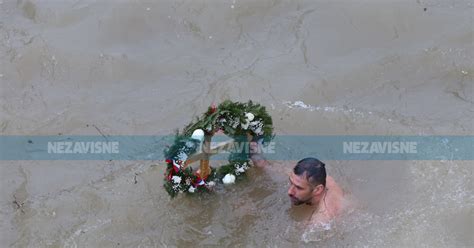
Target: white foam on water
column 71, row 241
column 328, row 109
column 318, row 232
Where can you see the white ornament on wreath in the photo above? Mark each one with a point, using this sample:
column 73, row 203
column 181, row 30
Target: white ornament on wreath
column 176, row 179
column 235, row 123
column 228, row 179
column 249, row 116
column 211, row 184
column 198, row 134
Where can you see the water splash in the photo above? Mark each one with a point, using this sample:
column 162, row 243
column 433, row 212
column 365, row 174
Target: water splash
column 329, row 109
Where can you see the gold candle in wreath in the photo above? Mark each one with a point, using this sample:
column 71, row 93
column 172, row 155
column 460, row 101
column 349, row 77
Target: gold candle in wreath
column 204, row 168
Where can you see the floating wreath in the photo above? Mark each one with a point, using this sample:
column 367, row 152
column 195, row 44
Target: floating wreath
column 240, row 121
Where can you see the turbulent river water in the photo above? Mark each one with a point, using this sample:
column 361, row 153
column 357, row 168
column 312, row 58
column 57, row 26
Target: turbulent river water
column 80, row 67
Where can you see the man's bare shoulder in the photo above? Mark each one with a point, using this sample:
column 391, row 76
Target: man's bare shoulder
column 333, row 186
column 335, row 197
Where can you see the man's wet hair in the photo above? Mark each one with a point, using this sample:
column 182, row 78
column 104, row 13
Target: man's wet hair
column 315, row 171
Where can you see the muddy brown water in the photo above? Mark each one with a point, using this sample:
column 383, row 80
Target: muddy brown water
column 320, row 67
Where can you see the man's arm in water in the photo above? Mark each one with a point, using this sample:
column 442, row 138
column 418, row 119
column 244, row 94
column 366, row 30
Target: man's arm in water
column 261, row 162
column 257, row 158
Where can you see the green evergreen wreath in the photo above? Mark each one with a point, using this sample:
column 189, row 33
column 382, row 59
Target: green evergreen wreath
column 236, row 120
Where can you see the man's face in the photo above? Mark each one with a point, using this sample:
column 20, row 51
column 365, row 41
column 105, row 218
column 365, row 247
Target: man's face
column 300, row 191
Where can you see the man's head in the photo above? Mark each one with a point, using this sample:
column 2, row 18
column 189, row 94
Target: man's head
column 307, row 182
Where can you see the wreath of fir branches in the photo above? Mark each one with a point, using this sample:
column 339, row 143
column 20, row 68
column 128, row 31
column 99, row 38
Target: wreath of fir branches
column 236, row 120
